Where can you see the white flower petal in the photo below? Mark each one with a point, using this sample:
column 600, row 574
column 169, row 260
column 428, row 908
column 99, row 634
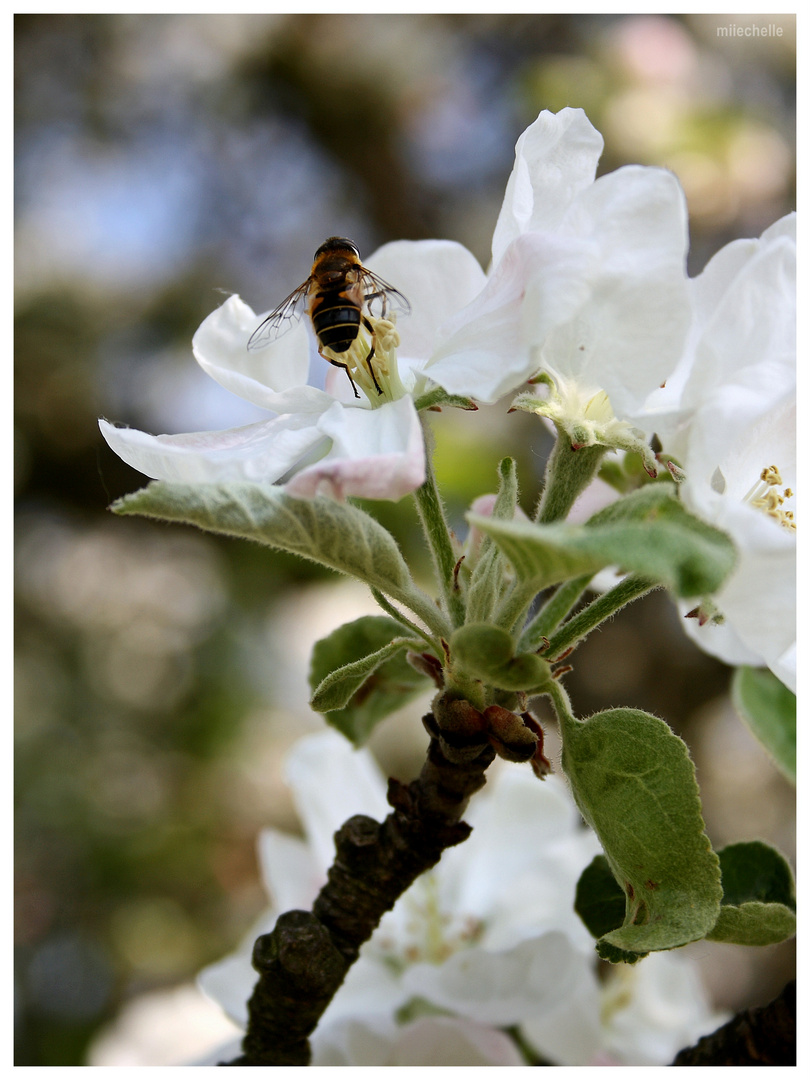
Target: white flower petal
column 369, row 987
column 555, row 158
column 273, row 377
column 501, row 988
column 742, row 429
column 290, row 873
column 438, row 278
column 260, row 452
column 375, row 454
column 230, row 983
column 655, row 1008
column 632, row 324
column 519, row 869
column 488, row 348
column 429, row 1041
column 568, row 1031
column 330, row 782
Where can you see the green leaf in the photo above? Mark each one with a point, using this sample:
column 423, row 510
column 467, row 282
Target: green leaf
column 648, row 533
column 331, row 533
column 634, row 783
column 600, row 900
column 488, row 653
column 759, row 896
column 769, row 709
column 754, row 924
column 359, row 674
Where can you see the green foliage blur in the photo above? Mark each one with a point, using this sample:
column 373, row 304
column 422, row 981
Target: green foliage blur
column 161, row 161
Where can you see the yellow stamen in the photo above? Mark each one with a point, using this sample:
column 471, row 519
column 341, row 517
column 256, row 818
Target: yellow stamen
column 765, row 496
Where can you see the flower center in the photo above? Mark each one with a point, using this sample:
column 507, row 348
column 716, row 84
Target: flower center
column 766, row 496
column 584, row 415
column 431, row 935
column 372, row 361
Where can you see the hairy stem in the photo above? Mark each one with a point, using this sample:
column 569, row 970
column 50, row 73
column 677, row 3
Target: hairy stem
column 437, row 533
column 568, row 473
column 603, row 607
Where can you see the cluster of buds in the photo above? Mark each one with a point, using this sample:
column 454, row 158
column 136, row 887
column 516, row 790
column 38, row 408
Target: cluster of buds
column 463, row 731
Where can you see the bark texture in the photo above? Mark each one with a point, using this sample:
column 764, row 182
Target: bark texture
column 763, row 1036
column 305, row 958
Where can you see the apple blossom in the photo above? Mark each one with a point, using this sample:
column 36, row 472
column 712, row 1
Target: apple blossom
column 476, row 938
column 730, row 419
column 588, row 279
column 334, row 443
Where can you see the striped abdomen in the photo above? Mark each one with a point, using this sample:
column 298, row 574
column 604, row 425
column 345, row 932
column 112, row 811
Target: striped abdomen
column 336, row 321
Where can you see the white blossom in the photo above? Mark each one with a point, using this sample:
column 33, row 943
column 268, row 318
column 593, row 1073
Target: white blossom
column 588, row 279
column 488, row 940
column 730, row 420
column 331, row 442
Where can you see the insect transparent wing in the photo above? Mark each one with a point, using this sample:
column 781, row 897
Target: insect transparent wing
column 382, row 298
column 281, row 320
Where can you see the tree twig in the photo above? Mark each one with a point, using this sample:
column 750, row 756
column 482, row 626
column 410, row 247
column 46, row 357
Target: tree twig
column 763, row 1036
column 305, row 958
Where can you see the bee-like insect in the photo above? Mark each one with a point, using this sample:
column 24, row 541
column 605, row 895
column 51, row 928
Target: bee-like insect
column 339, row 295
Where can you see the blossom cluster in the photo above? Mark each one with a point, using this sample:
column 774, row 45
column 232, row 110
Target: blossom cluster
column 588, row 293
column 485, row 945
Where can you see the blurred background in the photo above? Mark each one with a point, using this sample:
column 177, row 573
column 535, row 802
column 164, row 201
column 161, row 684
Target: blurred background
column 161, row 672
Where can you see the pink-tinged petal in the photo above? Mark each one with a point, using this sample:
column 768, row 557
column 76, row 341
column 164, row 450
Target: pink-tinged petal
column 555, row 158
column 438, row 277
column 261, row 452
column 375, row 454
column 489, row 349
column 273, row 377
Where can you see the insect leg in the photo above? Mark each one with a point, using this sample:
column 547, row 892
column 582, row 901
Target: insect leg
column 337, row 363
column 370, row 356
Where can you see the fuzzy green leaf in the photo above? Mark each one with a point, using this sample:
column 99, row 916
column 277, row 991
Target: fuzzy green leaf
column 769, row 709
column 359, row 675
column 634, row 783
column 488, row 653
column 331, row 533
column 648, row 533
column 759, row 896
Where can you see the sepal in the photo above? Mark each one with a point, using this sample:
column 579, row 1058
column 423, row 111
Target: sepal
column 487, row 653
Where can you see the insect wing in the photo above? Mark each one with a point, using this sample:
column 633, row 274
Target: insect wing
column 382, row 298
column 281, row 320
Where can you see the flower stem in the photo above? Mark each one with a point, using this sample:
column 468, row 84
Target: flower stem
column 568, row 473
column 603, row 607
column 440, row 543
column 553, row 611
column 389, row 608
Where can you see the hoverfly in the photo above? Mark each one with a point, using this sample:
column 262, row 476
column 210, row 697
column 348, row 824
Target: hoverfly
column 339, row 295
